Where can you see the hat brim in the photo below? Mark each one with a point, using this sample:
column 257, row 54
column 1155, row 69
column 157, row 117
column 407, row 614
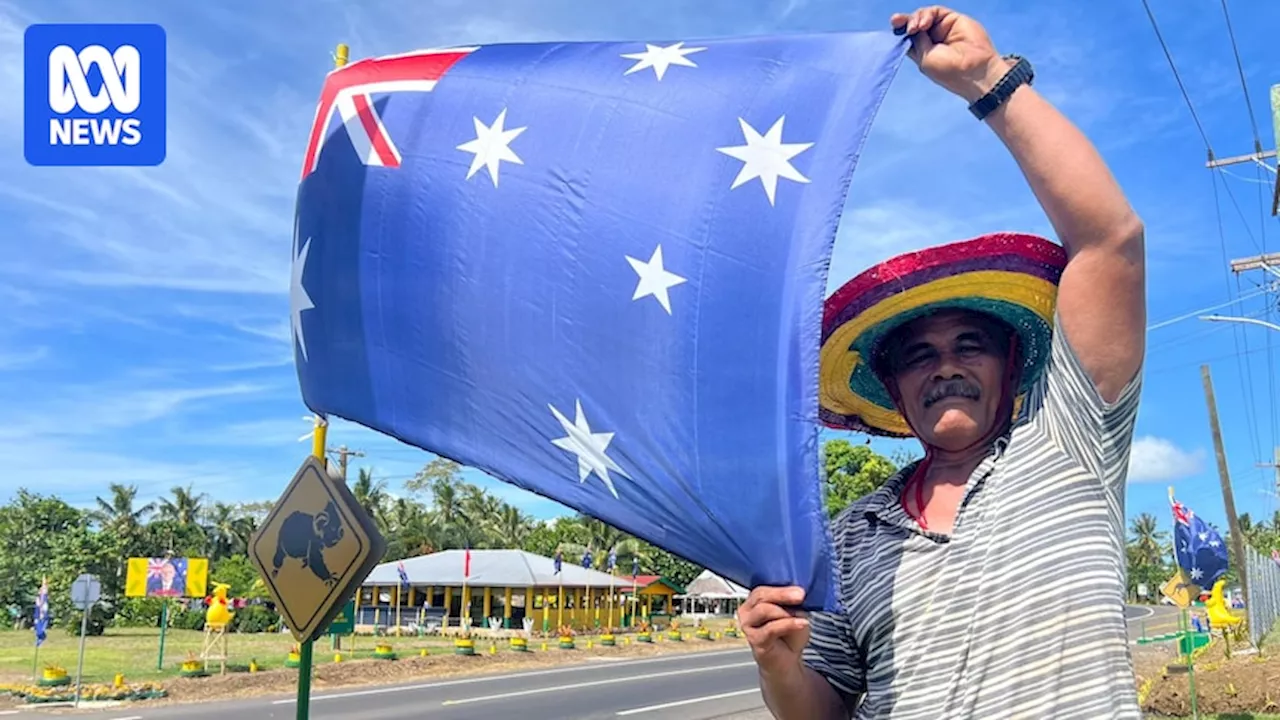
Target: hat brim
column 1010, row 277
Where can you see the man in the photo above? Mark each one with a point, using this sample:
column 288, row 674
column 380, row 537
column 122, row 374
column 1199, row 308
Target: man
column 986, row 580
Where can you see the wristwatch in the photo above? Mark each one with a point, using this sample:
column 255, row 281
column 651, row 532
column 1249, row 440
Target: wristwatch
column 1020, row 74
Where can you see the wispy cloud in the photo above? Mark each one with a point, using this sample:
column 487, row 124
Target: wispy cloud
column 15, row 360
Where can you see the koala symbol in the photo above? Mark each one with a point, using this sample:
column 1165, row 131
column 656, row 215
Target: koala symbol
column 305, row 536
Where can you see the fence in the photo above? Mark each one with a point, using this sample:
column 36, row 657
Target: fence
column 1264, row 593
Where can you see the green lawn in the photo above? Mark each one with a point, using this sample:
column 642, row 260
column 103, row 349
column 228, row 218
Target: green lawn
column 134, row 651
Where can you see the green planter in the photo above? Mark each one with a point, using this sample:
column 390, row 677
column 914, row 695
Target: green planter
column 644, row 638
column 608, row 640
column 464, row 646
column 566, row 643
column 519, row 644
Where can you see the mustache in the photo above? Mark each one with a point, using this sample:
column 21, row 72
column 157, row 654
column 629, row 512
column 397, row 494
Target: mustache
column 957, row 387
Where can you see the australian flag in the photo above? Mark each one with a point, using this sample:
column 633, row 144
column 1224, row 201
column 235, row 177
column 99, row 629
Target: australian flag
column 559, row 560
column 41, row 615
column 404, row 575
column 611, row 561
column 595, row 271
column 1198, row 547
column 586, row 558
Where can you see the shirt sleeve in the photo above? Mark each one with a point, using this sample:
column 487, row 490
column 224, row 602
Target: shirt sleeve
column 833, row 655
column 1067, row 405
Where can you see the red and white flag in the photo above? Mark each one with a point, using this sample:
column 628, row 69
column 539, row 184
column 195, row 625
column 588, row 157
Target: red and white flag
column 466, row 563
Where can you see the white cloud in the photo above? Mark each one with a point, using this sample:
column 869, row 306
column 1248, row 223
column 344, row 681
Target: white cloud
column 1156, row 459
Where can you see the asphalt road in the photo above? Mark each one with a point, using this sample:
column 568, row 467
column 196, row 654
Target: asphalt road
column 699, row 686
column 696, row 686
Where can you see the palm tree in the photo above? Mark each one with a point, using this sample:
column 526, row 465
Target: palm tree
column 185, row 508
column 371, row 494
column 227, row 530
column 1149, row 542
column 119, row 512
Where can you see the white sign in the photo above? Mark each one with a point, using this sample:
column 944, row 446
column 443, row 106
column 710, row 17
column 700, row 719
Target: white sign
column 85, row 591
column 1142, row 589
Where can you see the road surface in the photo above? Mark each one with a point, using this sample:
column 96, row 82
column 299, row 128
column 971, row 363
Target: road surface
column 696, row 686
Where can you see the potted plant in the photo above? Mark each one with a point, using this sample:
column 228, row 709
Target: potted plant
column 192, row 666
column 732, row 630
column 54, row 676
column 294, row 658
column 703, row 632
column 382, row 650
column 519, row 643
column 566, row 637
column 643, row 634
column 608, row 639
column 673, row 632
column 463, row 644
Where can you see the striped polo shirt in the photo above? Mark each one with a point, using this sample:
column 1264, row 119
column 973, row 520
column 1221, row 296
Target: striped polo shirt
column 1019, row 613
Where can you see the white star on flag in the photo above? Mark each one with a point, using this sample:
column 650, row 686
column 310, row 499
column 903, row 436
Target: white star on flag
column 299, row 300
column 661, row 58
column 1204, row 536
column 1214, row 543
column 655, row 279
column 492, row 146
column 1196, row 573
column 588, row 446
column 766, row 157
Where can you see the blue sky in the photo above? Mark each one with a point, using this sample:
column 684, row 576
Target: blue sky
column 145, row 334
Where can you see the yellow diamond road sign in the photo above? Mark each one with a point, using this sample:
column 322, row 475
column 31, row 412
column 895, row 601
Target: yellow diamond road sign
column 316, row 545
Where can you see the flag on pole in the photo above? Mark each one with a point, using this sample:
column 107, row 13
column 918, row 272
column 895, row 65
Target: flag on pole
column 41, row 619
column 1198, row 547
column 404, row 576
column 635, row 567
column 595, row 270
column 558, row 560
column 466, row 562
column 586, row 558
column 612, row 561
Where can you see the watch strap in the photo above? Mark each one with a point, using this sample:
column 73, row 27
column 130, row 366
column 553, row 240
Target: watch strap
column 1020, row 74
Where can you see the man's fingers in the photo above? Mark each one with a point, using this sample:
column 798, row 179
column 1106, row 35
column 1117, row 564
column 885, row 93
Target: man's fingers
column 763, row 614
column 775, row 595
column 778, row 629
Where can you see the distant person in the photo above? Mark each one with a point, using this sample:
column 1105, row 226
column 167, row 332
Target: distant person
column 1016, row 363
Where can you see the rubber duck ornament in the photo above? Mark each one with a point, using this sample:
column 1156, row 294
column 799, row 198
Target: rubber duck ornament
column 219, row 613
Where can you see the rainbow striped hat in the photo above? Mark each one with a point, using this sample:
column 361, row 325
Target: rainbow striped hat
column 1009, row 276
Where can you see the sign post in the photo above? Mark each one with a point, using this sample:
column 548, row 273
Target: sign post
column 85, row 592
column 312, row 551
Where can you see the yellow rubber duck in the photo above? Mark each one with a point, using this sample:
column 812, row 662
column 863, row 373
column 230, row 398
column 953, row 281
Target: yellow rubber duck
column 219, row 613
column 1216, row 605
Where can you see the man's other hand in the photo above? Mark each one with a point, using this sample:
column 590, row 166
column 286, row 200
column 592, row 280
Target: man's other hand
column 777, row 634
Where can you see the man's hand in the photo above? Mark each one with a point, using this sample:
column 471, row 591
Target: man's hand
column 776, row 634
column 952, row 50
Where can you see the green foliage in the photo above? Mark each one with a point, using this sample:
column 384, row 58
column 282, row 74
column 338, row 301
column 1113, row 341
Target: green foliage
column 186, row 619
column 139, row 612
column 852, row 471
column 238, row 572
column 255, row 618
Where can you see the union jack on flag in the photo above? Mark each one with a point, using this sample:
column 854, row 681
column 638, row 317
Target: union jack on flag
column 349, row 91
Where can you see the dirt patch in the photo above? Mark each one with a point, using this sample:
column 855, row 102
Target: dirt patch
column 438, row 666
column 1243, row 684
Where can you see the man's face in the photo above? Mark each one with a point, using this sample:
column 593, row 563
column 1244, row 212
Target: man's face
column 949, row 369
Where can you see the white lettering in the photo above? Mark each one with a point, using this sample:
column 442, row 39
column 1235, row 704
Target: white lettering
column 121, row 79
column 95, row 131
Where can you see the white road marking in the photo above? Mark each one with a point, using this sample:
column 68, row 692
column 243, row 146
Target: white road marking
column 690, row 701
column 1150, row 612
column 577, row 667
column 596, row 683
column 131, row 717
column 8, row 712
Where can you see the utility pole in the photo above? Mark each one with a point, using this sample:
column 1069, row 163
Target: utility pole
column 1228, row 500
column 344, row 454
column 1259, row 155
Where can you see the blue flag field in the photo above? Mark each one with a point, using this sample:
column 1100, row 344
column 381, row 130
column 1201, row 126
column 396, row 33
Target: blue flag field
column 595, row 271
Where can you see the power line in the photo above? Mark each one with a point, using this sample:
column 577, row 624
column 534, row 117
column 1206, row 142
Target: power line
column 1235, row 50
column 1177, row 78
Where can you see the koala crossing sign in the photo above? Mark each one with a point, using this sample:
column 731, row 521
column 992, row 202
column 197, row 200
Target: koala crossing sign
column 315, row 546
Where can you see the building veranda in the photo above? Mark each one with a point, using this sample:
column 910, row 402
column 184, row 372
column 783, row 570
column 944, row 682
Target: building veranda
column 499, row 590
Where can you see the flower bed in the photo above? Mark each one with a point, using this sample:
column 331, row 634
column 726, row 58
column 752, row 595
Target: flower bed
column 38, row 695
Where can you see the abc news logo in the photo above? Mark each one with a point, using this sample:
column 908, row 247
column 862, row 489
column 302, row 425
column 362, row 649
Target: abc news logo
column 69, row 89
column 95, row 94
